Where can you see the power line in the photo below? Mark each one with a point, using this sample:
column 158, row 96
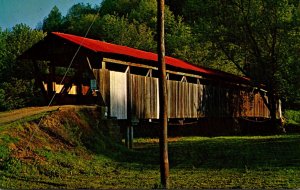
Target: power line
column 64, row 76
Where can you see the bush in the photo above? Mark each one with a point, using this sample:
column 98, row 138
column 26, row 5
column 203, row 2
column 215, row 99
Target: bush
column 293, row 117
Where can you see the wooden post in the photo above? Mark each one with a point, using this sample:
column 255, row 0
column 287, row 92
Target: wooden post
column 130, row 136
column 39, row 80
column 127, row 136
column 163, row 104
column 129, row 128
column 79, row 78
column 51, row 79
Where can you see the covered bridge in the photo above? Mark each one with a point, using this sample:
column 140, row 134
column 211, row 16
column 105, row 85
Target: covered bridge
column 125, row 80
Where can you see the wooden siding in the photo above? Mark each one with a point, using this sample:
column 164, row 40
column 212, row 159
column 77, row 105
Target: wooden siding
column 253, row 105
column 118, row 95
column 144, row 97
column 185, row 100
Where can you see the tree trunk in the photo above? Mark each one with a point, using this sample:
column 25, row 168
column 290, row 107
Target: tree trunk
column 163, row 105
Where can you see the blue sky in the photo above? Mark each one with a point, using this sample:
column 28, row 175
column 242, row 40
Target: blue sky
column 31, row 12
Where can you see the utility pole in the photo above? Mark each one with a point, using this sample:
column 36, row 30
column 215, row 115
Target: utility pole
column 163, row 104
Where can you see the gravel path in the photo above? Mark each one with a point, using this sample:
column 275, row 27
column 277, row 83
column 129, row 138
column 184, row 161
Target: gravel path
column 14, row 115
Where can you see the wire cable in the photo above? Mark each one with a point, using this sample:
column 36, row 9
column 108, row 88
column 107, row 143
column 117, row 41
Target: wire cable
column 64, row 76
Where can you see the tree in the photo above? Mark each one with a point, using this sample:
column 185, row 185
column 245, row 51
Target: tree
column 53, row 21
column 77, row 20
column 118, row 7
column 259, row 37
column 16, row 78
column 120, row 31
column 3, row 35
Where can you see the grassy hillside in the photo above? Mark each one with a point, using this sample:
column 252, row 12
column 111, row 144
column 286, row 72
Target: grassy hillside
column 69, row 151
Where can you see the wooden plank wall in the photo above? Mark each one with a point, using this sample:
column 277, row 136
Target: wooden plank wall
column 144, row 97
column 253, row 105
column 103, row 82
column 185, row 100
column 118, row 94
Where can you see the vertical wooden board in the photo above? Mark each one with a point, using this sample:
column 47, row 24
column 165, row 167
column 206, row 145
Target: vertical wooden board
column 137, row 93
column 102, row 78
column 147, row 108
column 185, row 99
column 154, row 98
column 255, row 105
column 180, row 100
column 156, row 93
column 142, row 95
column 130, row 116
column 192, row 105
column 188, row 101
column 242, row 111
column 196, row 100
column 177, row 100
column 132, row 94
column 118, row 95
column 200, row 108
column 137, row 97
column 174, row 95
column 169, row 98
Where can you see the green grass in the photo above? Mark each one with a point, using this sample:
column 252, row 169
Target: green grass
column 195, row 162
column 69, row 153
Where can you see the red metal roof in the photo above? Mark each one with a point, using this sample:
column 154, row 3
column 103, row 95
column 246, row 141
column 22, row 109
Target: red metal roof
column 104, row 47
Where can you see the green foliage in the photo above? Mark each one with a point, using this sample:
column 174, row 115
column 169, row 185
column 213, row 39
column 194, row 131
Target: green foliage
column 15, row 94
column 292, row 117
column 53, row 21
column 260, row 38
column 16, row 78
column 121, row 31
column 118, row 7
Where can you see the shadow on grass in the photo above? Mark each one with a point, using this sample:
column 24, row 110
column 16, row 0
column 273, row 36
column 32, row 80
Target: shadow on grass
column 218, row 153
column 34, row 180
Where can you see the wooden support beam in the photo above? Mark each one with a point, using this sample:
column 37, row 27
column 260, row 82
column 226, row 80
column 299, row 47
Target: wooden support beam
column 183, row 79
column 127, row 69
column 129, row 63
column 149, row 73
column 89, row 63
column 103, row 65
column 184, row 74
column 129, row 131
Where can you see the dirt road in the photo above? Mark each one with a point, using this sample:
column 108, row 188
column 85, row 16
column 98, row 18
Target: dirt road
column 14, row 115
